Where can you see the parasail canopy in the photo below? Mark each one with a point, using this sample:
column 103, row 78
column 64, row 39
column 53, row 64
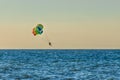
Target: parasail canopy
column 38, row 30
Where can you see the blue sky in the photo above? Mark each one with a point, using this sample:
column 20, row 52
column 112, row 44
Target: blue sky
column 83, row 22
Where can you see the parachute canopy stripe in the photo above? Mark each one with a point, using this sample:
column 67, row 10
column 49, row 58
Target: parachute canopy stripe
column 39, row 26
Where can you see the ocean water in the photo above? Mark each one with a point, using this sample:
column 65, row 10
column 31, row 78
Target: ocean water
column 59, row 64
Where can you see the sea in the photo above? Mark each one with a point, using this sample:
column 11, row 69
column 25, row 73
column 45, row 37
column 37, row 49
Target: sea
column 60, row 64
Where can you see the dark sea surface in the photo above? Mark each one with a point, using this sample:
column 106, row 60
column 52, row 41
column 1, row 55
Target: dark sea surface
column 60, row 64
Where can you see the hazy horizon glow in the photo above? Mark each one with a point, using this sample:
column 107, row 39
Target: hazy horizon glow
column 69, row 23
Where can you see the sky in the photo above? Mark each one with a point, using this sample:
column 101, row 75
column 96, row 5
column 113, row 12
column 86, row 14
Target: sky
column 69, row 24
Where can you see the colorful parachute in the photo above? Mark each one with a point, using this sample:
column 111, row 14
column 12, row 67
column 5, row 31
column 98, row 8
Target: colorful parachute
column 38, row 30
